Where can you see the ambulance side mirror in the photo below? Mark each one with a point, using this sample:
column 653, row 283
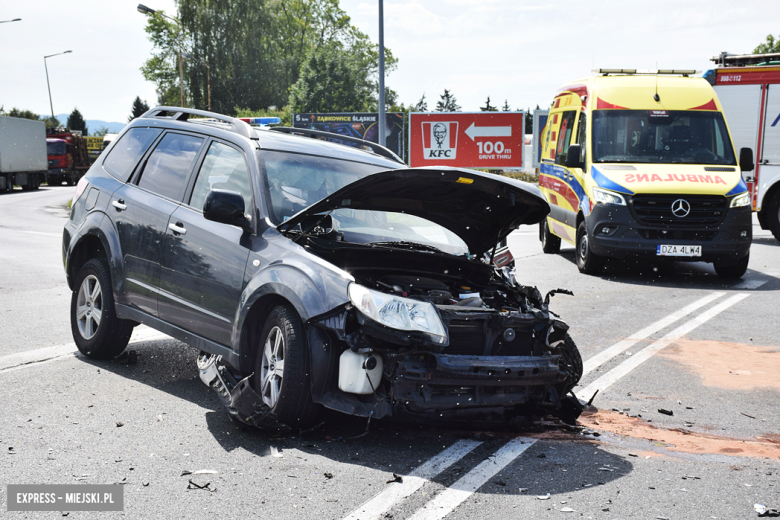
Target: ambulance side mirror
column 745, row 159
column 573, row 156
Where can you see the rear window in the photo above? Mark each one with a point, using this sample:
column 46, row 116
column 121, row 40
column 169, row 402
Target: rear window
column 127, row 152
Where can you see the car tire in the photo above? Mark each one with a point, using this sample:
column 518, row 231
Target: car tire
column 286, row 389
column 588, row 262
column 732, row 270
column 69, row 180
column 571, row 361
column 551, row 244
column 773, row 214
column 98, row 335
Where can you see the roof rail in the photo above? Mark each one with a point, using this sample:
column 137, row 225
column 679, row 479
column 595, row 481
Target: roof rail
column 376, row 148
column 724, row 59
column 183, row 114
column 683, row 72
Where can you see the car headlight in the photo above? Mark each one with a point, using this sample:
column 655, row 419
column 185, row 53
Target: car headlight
column 398, row 313
column 608, row 197
column 741, row 200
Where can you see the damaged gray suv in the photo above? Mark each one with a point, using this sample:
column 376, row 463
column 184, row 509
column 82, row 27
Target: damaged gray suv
column 312, row 273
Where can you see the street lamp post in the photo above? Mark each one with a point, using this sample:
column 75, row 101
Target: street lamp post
column 51, row 105
column 381, row 121
column 208, row 73
column 147, row 10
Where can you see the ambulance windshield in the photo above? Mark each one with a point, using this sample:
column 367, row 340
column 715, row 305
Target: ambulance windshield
column 661, row 136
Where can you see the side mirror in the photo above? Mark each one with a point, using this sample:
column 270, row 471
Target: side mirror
column 573, row 156
column 746, row 163
column 226, row 207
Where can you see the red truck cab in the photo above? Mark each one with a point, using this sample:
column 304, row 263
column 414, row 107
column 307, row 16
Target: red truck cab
column 67, row 157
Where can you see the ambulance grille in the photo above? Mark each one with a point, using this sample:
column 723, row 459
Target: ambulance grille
column 657, row 209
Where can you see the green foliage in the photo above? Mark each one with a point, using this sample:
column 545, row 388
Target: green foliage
column 23, row 114
column 447, row 103
column 139, row 109
column 506, row 107
column 421, row 106
column 51, row 122
column 284, row 114
column 771, row 45
column 101, row 131
column 257, row 51
column 76, row 122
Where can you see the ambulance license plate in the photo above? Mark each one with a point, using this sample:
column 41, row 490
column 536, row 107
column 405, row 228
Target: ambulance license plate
column 678, row 250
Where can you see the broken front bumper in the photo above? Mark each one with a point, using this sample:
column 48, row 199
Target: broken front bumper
column 434, row 383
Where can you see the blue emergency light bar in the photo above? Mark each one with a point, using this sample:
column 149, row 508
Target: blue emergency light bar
column 262, row 121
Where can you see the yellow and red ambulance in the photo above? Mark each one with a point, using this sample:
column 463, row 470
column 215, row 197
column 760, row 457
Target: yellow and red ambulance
column 642, row 165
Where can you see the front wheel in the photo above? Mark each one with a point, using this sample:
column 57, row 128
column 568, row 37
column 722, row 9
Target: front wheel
column 588, row 262
column 733, row 270
column 282, row 369
column 551, row 244
column 773, row 214
column 96, row 329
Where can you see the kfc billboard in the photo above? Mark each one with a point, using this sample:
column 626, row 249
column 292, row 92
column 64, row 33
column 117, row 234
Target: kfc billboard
column 466, row 139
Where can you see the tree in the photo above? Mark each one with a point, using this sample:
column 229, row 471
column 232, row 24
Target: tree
column 771, row 45
column 139, row 109
column 101, row 131
column 506, row 107
column 76, row 122
column 421, row 106
column 488, row 107
column 23, row 114
column 447, row 103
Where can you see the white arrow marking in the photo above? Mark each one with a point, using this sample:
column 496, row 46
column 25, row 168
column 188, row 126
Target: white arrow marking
column 488, row 131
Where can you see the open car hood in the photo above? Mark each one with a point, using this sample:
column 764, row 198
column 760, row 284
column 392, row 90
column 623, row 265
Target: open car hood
column 481, row 208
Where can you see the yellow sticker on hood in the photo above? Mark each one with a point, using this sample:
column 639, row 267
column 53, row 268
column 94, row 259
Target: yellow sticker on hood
column 464, row 180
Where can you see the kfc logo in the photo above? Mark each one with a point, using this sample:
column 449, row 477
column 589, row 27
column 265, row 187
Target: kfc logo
column 440, row 140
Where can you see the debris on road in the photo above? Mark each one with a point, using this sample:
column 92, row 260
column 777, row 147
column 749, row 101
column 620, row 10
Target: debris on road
column 665, row 412
column 328, row 475
column 119, row 424
column 396, row 478
column 567, row 510
column 543, row 497
column 764, row 511
column 746, row 415
column 206, row 486
column 275, row 453
column 522, row 490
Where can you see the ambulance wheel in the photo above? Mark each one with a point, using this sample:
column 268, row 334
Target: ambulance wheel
column 587, row 261
column 732, row 270
column 551, row 244
column 773, row 214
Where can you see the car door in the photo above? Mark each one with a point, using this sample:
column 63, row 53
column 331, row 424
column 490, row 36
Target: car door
column 141, row 210
column 204, row 262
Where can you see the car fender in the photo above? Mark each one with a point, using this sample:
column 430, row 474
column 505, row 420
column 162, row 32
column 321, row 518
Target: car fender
column 93, row 226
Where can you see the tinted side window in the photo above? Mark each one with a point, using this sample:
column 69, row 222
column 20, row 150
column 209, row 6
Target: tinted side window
column 167, row 167
column 128, row 151
column 564, row 136
column 582, row 135
column 223, row 169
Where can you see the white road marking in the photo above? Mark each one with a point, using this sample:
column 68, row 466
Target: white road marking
column 618, row 348
column 32, row 357
column 646, row 353
column 446, row 501
column 385, row 500
column 41, row 233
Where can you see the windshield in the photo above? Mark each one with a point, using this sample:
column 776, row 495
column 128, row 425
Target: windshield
column 56, row 148
column 661, row 136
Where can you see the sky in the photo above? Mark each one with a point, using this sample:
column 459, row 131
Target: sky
column 518, row 51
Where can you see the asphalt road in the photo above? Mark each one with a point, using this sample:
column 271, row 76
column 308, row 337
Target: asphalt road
column 673, row 337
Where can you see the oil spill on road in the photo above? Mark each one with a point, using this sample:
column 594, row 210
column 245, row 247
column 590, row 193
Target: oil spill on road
column 733, row 366
column 680, row 439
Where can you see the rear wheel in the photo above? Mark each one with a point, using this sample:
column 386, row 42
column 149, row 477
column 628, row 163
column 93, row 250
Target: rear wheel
column 732, row 270
column 773, row 214
column 587, row 261
column 281, row 370
column 551, row 244
column 97, row 330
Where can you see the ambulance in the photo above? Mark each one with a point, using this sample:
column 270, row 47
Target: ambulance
column 748, row 87
column 641, row 165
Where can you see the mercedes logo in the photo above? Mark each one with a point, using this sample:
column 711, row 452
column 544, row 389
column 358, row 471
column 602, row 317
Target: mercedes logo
column 681, row 208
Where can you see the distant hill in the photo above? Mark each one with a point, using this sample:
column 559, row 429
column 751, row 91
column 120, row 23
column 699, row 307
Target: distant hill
column 94, row 124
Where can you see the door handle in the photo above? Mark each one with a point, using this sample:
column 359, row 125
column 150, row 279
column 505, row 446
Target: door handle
column 177, row 228
column 119, row 204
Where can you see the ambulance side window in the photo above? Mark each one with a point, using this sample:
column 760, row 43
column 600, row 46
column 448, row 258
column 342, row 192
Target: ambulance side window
column 582, row 136
column 564, row 136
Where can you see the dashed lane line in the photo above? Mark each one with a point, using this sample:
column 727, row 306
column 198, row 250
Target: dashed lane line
column 618, row 348
column 29, row 358
column 604, row 382
column 446, row 501
column 385, row 500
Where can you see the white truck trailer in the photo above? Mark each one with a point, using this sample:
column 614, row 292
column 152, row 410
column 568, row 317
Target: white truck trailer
column 748, row 87
column 23, row 160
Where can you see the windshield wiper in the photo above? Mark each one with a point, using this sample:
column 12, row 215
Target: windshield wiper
column 408, row 245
